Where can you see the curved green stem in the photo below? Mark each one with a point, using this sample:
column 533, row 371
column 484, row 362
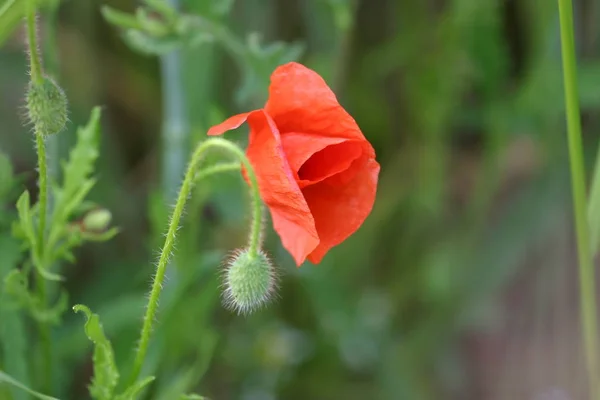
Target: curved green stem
column 184, row 193
column 217, row 169
column 43, row 183
column 586, row 265
column 34, row 53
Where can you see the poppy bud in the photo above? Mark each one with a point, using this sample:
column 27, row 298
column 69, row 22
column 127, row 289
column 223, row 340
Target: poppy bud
column 97, row 220
column 47, row 106
column 250, row 281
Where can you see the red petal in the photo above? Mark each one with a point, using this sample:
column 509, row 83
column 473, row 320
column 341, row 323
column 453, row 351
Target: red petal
column 301, row 101
column 291, row 216
column 339, row 207
column 230, row 123
column 314, row 158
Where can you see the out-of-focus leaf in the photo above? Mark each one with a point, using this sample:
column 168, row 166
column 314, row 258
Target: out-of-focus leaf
column 106, row 375
column 119, row 18
column 6, row 176
column 151, row 45
column 594, row 208
column 133, row 391
column 13, row 336
column 16, row 287
column 192, row 397
column 11, row 381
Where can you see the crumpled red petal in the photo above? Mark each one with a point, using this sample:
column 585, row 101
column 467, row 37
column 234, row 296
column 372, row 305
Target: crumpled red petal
column 301, row 101
column 315, row 158
column 291, row 216
column 340, row 209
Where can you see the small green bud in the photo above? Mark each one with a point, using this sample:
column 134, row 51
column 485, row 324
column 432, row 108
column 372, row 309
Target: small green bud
column 97, row 220
column 250, row 282
column 47, row 106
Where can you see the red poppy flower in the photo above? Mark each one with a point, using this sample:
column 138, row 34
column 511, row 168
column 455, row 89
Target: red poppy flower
column 316, row 171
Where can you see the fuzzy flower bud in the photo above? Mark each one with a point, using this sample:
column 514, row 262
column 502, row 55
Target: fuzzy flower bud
column 249, row 281
column 47, row 106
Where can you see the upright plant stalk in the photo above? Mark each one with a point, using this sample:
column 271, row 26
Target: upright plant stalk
column 586, row 266
column 37, row 78
column 51, row 64
column 191, row 177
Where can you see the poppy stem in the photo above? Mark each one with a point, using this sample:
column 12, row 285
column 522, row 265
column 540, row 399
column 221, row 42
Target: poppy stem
column 36, row 72
column 587, row 282
column 191, row 177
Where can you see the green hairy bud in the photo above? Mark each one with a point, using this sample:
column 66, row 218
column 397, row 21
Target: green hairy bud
column 47, row 106
column 250, row 282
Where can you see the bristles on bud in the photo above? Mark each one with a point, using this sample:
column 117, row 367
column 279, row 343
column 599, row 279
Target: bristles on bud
column 249, row 282
column 47, row 106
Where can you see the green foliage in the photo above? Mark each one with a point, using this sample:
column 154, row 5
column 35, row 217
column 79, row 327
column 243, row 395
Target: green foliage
column 63, row 236
column 6, row 177
column 134, row 391
column 17, row 288
column 12, row 13
column 173, row 30
column 11, row 381
column 13, row 349
column 106, row 375
column 463, row 104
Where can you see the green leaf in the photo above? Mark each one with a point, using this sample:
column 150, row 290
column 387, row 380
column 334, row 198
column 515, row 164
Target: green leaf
column 106, row 374
column 16, row 286
column 192, row 396
column 119, row 18
column 52, row 315
column 24, row 228
column 12, row 381
column 6, row 176
column 134, row 390
column 11, row 15
column 76, row 171
column 147, row 44
column 13, row 333
column 594, row 208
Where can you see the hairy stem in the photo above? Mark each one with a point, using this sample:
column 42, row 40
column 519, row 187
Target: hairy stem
column 44, row 328
column 586, row 266
column 51, row 59
column 34, row 54
column 184, row 194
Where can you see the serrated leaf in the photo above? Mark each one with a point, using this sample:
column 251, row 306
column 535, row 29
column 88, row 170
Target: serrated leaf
column 150, row 24
column 76, row 172
column 120, row 19
column 106, row 374
column 24, row 228
column 134, row 390
column 151, row 45
column 16, row 286
column 12, row 381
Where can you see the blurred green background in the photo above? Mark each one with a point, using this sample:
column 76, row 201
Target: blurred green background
column 462, row 282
